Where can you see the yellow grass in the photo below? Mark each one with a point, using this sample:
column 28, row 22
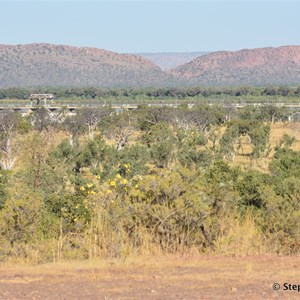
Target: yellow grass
column 277, row 131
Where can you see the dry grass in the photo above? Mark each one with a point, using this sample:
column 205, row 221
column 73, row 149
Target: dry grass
column 279, row 129
column 243, row 159
column 240, row 236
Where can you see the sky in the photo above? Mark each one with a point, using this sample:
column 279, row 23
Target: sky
column 152, row 26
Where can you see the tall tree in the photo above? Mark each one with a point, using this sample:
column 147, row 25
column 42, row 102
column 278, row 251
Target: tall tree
column 8, row 126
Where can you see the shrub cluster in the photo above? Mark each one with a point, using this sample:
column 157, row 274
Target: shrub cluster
column 102, row 184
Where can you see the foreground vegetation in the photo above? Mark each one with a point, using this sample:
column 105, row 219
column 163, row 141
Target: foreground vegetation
column 154, row 180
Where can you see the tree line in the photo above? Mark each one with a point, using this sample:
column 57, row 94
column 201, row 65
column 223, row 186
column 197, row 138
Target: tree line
column 151, row 93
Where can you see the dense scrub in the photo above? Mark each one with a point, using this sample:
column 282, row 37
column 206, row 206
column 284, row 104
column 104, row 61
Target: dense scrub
column 101, row 184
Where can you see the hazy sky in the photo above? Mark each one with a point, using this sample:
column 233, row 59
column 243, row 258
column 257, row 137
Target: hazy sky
column 152, row 26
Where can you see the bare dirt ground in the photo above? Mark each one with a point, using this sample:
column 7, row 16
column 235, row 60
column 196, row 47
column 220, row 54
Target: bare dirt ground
column 162, row 277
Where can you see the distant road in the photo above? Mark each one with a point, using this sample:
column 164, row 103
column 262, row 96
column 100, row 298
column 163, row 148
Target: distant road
column 53, row 106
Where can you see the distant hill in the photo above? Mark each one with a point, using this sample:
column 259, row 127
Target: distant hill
column 168, row 61
column 262, row 66
column 40, row 65
column 56, row 65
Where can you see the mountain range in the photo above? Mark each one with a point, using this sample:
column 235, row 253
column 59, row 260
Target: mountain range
column 58, row 65
column 262, row 66
column 49, row 65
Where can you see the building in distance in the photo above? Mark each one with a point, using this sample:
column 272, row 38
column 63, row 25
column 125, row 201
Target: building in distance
column 41, row 97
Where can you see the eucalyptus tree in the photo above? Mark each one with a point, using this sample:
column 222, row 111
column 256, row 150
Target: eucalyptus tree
column 41, row 119
column 92, row 116
column 150, row 116
column 161, row 142
column 8, row 126
column 119, row 127
column 198, row 117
